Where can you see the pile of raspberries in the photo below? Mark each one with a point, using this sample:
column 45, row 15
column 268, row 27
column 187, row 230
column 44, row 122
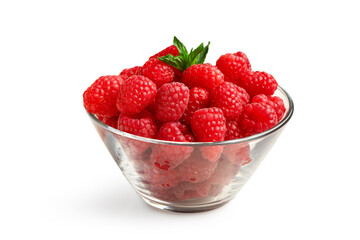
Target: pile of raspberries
column 175, row 96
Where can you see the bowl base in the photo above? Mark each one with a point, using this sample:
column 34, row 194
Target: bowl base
column 185, row 208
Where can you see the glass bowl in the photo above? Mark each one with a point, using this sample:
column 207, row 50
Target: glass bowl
column 207, row 175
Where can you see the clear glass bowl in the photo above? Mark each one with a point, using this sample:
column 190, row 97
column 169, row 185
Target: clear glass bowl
column 207, row 176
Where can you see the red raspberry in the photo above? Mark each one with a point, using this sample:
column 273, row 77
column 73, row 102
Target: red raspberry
column 274, row 101
column 158, row 72
column 171, row 101
column 110, row 121
column 142, row 124
column 202, row 75
column 211, row 153
column 161, row 179
column 257, row 118
column 128, row 72
column 243, row 55
column 196, row 169
column 190, row 138
column 199, row 98
column 233, row 66
column 167, row 157
column 238, row 154
column 215, row 190
column 136, row 93
column 224, row 173
column 233, row 130
column 231, row 101
column 257, row 83
column 208, row 125
column 245, row 97
column 173, row 51
column 188, row 190
column 169, row 50
column 278, row 106
column 261, row 98
column 174, row 131
column 100, row 98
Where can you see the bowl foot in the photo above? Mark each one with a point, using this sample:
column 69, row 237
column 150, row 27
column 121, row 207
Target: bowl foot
column 184, row 207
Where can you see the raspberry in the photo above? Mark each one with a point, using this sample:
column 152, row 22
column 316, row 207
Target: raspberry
column 257, row 83
column 208, row 125
column 238, row 154
column 173, row 131
column 100, row 98
column 158, row 72
column 190, row 138
column 215, row 190
column 224, row 173
column 171, row 101
column 245, row 97
column 233, row 130
column 136, row 93
column 161, row 179
column 243, row 55
column 128, row 72
column 257, row 117
column 173, row 51
column 233, row 65
column 211, row 153
column 110, row 121
column 199, row 98
column 262, row 98
column 169, row 50
column 187, row 190
column 202, row 75
column 274, row 101
column 227, row 97
column 167, row 157
column 142, row 124
column 278, row 106
column 196, row 169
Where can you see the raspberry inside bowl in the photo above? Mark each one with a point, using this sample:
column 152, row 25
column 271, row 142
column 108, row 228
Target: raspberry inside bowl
column 190, row 176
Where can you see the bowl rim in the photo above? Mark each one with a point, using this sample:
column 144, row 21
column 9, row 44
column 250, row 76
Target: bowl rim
column 270, row 131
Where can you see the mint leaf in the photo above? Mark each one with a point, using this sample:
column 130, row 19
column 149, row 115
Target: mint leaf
column 202, row 55
column 185, row 59
column 182, row 49
column 193, row 54
column 174, row 61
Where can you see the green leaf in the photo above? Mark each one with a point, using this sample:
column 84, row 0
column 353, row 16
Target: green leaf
column 185, row 59
column 174, row 61
column 181, row 47
column 193, row 54
column 201, row 57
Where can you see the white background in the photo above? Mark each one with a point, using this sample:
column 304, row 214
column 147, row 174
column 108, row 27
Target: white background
column 57, row 180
